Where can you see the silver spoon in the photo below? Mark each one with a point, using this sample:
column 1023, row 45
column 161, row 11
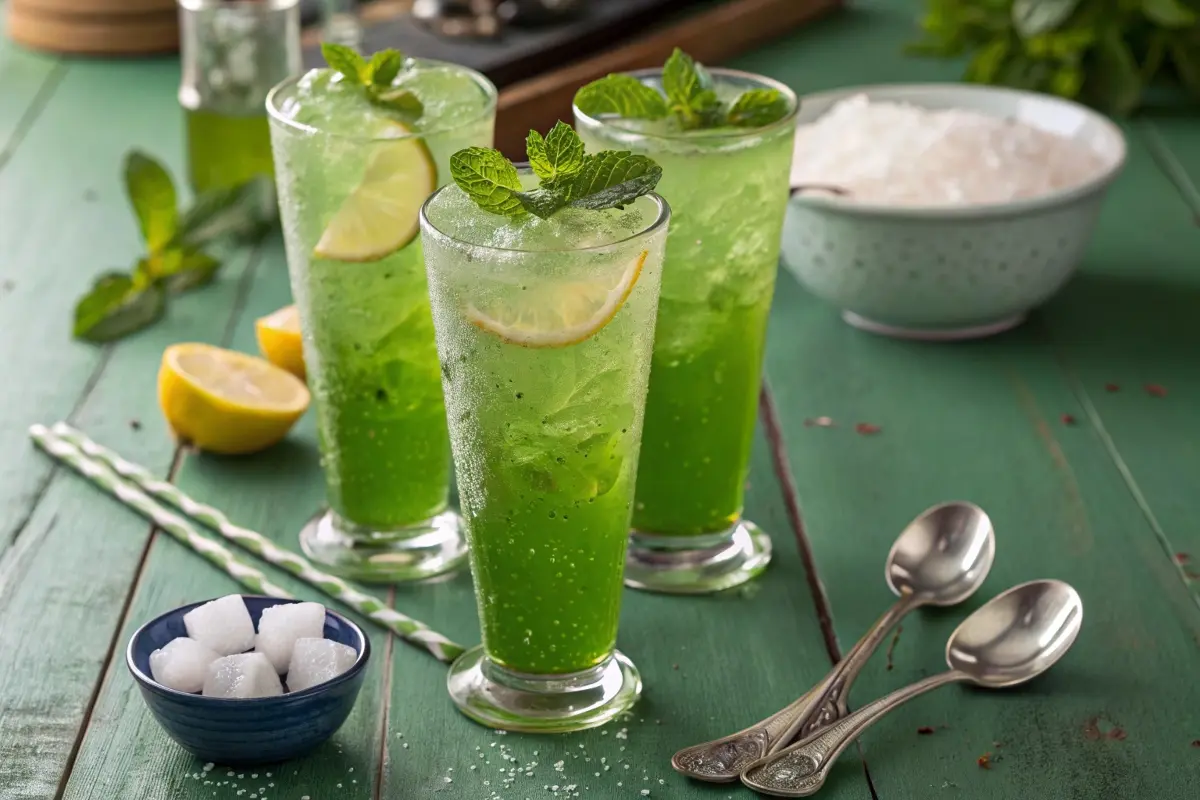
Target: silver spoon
column 940, row 559
column 1017, row 636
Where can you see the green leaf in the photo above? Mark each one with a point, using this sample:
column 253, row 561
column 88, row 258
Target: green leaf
column 383, row 67
column 623, row 95
column 1034, row 17
column 1187, row 65
column 243, row 212
column 758, row 107
column 1067, row 81
column 613, row 178
column 1169, row 13
column 543, row 202
column 345, row 60
column 152, row 195
column 489, row 179
column 689, row 95
column 987, row 62
column 558, row 156
column 115, row 307
column 402, row 101
column 194, row 269
column 1114, row 82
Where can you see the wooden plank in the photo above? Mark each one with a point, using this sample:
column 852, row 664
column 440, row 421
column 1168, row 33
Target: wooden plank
column 710, row 36
column 29, row 80
column 982, row 422
column 65, row 578
column 125, row 753
column 711, row 666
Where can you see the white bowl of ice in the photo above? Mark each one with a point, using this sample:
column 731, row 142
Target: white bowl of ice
column 247, row 679
column 944, row 211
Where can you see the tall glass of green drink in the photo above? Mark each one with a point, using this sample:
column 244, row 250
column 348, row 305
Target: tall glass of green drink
column 358, row 148
column 545, row 328
column 724, row 140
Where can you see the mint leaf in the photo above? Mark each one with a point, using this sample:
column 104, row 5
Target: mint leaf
column 1035, row 17
column 115, row 307
column 689, row 91
column 623, row 95
column 756, row 108
column 1169, row 13
column 383, row 67
column 192, row 270
column 345, row 60
column 401, row 101
column 558, row 156
column 152, row 195
column 613, row 178
column 242, row 212
column 489, row 179
column 543, row 202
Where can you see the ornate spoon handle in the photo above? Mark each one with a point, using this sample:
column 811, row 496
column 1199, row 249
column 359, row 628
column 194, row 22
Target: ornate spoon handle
column 722, row 760
column 831, row 706
column 801, row 769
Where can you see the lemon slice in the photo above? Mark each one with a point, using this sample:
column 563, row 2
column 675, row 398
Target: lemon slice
column 227, row 402
column 279, row 340
column 556, row 314
column 382, row 214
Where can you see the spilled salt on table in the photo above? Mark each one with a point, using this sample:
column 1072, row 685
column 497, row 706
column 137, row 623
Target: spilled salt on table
column 900, row 154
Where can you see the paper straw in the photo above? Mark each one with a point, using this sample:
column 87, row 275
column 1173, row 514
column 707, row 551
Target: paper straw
column 98, row 464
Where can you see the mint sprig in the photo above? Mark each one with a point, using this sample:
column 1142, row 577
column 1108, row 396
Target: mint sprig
column 687, row 96
column 175, row 260
column 568, row 176
column 375, row 76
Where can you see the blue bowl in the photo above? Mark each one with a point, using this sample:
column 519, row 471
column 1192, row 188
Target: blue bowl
column 256, row 731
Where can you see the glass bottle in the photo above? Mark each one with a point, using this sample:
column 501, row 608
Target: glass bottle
column 233, row 52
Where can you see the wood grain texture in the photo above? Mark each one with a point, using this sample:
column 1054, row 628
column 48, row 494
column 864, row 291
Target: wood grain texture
column 982, row 422
column 125, row 753
column 277, row 490
column 65, row 578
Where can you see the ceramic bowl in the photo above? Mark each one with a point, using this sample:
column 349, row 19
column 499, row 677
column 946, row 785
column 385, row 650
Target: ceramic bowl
column 950, row 272
column 256, row 731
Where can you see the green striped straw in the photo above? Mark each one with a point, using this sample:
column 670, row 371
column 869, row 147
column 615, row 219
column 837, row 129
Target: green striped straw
column 136, row 487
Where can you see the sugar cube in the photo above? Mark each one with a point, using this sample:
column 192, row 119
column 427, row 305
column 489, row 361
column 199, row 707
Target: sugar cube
column 182, row 664
column 223, row 625
column 242, row 675
column 316, row 661
column 282, row 625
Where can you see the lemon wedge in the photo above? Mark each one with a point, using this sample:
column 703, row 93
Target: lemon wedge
column 382, row 214
column 559, row 314
column 278, row 336
column 223, row 401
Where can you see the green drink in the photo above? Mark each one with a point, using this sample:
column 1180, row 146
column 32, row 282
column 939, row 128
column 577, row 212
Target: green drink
column 545, row 329
column 726, row 177
column 227, row 150
column 352, row 174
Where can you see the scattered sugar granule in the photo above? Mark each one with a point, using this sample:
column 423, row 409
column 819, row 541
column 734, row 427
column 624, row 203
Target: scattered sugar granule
column 901, row 154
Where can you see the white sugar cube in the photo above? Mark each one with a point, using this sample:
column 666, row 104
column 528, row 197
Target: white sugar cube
column 223, row 625
column 282, row 625
column 316, row 661
column 182, row 664
column 243, row 675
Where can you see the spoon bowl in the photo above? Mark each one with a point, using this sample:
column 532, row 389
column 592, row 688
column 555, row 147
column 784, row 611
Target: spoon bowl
column 1018, row 635
column 943, row 555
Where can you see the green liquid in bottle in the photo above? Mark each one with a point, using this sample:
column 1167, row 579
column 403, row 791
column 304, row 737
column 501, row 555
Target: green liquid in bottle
column 227, row 150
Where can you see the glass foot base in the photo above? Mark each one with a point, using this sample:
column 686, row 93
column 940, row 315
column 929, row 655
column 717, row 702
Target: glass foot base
column 696, row 564
column 514, row 701
column 433, row 547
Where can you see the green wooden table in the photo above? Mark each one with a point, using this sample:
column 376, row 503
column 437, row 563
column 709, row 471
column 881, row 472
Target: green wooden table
column 1106, row 503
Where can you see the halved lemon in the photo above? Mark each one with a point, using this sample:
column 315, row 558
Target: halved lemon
column 278, row 337
column 382, row 214
column 556, row 314
column 223, row 401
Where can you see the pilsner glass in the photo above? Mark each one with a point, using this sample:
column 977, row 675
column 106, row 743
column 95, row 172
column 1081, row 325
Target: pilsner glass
column 545, row 434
